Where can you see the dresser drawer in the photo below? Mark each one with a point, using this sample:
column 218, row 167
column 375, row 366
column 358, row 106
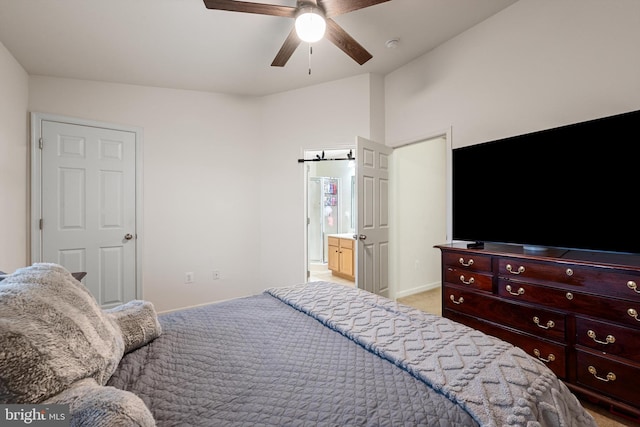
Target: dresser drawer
column 472, row 279
column 529, row 292
column 616, row 310
column 553, row 355
column 543, row 323
column 619, row 283
column 608, row 338
column 469, row 261
column 611, row 377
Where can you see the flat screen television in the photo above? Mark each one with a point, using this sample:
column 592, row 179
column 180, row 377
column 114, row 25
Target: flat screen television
column 573, row 187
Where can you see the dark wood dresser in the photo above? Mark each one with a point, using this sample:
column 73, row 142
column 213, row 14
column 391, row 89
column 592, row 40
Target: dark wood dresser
column 577, row 311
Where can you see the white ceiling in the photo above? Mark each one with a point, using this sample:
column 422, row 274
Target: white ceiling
column 181, row 44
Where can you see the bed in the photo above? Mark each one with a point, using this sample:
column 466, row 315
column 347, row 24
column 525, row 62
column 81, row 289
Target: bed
column 316, row 354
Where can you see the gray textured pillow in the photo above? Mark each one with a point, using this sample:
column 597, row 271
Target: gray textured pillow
column 102, row 406
column 52, row 334
column 138, row 322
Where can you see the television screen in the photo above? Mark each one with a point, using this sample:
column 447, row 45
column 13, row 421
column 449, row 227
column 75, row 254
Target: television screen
column 573, row 187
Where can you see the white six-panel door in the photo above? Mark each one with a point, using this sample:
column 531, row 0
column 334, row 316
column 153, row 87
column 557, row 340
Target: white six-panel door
column 88, row 203
column 373, row 163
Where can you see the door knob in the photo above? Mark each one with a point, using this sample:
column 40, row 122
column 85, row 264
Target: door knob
column 362, row 237
column 128, row 236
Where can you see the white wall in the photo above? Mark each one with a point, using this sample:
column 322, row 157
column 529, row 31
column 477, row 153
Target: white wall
column 222, row 186
column 326, row 115
column 535, row 65
column 200, row 189
column 14, row 195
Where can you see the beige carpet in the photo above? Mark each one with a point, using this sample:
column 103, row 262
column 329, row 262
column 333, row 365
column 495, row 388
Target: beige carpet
column 431, row 302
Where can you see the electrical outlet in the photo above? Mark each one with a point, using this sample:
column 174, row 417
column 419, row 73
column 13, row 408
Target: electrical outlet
column 189, row 277
column 216, row 275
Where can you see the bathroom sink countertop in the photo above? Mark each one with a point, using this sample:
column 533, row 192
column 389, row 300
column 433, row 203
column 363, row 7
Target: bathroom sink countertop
column 342, row 235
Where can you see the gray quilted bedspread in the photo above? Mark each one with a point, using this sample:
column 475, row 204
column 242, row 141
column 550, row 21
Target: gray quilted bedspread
column 497, row 383
column 256, row 361
column 322, row 354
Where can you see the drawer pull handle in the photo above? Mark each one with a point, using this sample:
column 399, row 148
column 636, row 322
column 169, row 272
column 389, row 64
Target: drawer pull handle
column 569, row 272
column 469, row 282
column 549, row 359
column 550, row 324
column 633, row 313
column 569, row 296
column 610, row 376
column 609, row 340
column 466, row 264
column 510, row 290
column 633, row 286
column 453, row 300
column 519, row 271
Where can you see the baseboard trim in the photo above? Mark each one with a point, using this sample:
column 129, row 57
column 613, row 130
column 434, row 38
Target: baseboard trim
column 417, row 290
column 171, row 310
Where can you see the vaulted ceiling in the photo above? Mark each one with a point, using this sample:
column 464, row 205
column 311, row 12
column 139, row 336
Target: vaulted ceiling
column 182, row 44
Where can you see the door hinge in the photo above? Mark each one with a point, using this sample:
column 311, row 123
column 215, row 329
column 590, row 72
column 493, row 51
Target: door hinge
column 40, row 224
column 40, row 143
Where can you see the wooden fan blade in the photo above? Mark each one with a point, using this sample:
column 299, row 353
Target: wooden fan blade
column 250, row 7
column 338, row 7
column 336, row 35
column 288, row 47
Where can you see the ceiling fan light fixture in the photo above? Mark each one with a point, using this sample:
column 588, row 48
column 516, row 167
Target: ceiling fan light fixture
column 310, row 25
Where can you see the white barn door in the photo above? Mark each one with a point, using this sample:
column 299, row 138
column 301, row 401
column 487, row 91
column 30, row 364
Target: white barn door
column 373, row 162
column 88, row 206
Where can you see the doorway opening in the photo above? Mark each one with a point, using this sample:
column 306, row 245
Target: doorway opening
column 421, row 177
column 330, row 209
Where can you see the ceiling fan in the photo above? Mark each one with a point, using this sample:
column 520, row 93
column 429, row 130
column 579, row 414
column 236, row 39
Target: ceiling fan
column 327, row 9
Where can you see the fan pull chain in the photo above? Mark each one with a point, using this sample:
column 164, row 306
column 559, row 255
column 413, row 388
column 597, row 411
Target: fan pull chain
column 310, row 53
